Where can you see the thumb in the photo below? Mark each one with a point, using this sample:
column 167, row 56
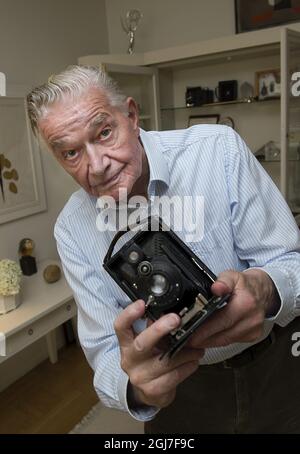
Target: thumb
column 225, row 283
column 124, row 321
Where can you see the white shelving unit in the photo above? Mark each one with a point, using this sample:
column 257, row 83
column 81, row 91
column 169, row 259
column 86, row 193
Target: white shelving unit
column 204, row 64
column 139, row 82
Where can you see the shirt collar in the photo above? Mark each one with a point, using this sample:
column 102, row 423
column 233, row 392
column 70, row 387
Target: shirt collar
column 159, row 178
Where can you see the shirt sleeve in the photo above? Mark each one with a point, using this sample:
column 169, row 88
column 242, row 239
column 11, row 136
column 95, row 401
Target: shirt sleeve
column 95, row 326
column 265, row 232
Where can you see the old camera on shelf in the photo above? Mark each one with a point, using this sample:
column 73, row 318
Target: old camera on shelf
column 197, row 96
column 158, row 267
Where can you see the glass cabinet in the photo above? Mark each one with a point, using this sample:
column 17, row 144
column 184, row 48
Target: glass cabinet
column 158, row 81
column 290, row 119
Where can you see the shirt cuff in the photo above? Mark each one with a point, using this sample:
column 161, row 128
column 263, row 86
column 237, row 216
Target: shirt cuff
column 144, row 412
column 287, row 311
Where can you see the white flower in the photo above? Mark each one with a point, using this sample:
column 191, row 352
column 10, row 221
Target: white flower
column 10, row 277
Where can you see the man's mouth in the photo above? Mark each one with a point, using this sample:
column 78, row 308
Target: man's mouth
column 113, row 179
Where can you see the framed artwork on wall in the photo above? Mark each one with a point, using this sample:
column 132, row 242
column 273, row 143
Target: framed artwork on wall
column 22, row 191
column 203, row 119
column 267, row 84
column 253, row 15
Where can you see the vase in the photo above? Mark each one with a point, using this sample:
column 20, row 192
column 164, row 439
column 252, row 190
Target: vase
column 8, row 303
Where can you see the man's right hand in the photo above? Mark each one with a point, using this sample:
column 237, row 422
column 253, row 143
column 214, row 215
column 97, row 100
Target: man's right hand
column 154, row 380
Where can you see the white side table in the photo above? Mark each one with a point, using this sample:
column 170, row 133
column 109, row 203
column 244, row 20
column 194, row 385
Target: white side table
column 43, row 308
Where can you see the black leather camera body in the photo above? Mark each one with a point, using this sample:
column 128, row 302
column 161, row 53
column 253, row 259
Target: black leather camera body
column 227, row 90
column 197, row 96
column 158, row 267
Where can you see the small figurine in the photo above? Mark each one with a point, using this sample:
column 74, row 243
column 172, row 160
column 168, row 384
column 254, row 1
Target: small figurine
column 27, row 262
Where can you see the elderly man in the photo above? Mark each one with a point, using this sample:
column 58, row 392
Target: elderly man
column 237, row 373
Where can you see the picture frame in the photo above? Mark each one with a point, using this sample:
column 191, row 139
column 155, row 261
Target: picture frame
column 227, row 121
column 22, row 191
column 254, row 15
column 267, row 84
column 203, row 119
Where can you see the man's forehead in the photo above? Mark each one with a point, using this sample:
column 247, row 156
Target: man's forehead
column 98, row 119
column 61, row 139
column 91, row 108
column 92, row 97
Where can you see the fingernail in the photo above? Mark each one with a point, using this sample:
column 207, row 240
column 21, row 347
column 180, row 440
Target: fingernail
column 138, row 305
column 172, row 321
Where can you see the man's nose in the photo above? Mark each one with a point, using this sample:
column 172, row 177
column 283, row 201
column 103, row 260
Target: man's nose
column 98, row 161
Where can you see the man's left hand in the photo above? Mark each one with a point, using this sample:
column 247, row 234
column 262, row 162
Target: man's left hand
column 253, row 297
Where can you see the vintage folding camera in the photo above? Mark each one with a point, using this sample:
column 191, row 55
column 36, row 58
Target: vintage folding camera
column 158, row 267
column 196, row 96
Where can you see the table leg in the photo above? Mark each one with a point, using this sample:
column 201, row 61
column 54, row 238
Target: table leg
column 74, row 324
column 51, row 346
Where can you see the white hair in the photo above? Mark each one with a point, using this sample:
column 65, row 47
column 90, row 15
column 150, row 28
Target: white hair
column 72, row 82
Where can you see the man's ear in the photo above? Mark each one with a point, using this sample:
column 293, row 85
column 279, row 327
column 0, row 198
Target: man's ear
column 133, row 113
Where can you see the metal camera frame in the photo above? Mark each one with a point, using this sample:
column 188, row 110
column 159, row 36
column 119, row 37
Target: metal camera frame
column 191, row 318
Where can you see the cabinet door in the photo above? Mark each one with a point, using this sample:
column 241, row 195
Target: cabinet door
column 141, row 83
column 290, row 118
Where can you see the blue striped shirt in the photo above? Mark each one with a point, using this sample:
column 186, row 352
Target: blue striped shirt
column 246, row 224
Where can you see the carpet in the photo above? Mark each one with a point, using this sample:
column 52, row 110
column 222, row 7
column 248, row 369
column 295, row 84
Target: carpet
column 102, row 420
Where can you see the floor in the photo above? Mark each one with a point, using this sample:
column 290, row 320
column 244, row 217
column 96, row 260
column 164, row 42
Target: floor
column 51, row 399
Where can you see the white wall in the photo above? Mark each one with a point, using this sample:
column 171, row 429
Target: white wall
column 168, row 23
column 38, row 38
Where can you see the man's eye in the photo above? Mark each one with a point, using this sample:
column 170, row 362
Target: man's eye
column 105, row 132
column 69, row 154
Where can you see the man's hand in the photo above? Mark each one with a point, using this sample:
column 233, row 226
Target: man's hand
column 253, row 297
column 153, row 380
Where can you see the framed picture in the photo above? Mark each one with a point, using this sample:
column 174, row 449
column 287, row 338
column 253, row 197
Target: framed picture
column 22, row 191
column 227, row 121
column 253, row 15
column 267, row 84
column 203, row 119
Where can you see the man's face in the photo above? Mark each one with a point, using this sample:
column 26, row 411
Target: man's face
column 97, row 144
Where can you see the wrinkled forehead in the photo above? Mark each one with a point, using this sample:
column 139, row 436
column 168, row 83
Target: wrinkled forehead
column 77, row 101
column 71, row 116
column 66, row 115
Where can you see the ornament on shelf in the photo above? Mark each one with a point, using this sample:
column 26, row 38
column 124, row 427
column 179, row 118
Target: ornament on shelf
column 52, row 273
column 27, row 261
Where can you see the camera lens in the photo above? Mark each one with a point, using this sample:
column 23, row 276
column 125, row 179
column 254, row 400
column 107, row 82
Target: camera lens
column 159, row 285
column 144, row 268
column 133, row 257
